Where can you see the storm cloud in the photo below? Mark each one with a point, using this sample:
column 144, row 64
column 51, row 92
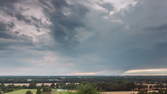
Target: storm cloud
column 82, row 37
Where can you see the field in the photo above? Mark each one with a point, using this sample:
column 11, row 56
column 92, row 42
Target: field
column 120, row 92
column 23, row 91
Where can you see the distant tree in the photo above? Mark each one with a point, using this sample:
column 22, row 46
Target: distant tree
column 32, row 85
column 53, row 85
column 87, row 89
column 47, row 89
column 29, row 92
column 39, row 91
column 43, row 85
column 2, row 85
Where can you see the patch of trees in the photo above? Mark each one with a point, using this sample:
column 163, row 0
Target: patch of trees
column 116, row 86
column 70, row 86
column 8, row 88
column 87, row 89
column 39, row 91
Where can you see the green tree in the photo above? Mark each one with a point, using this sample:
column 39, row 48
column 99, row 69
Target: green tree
column 47, row 90
column 29, row 92
column 38, row 91
column 87, row 89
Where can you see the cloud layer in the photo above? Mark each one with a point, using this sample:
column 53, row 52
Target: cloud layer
column 82, row 37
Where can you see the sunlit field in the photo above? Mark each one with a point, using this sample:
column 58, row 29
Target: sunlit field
column 54, row 91
column 22, row 91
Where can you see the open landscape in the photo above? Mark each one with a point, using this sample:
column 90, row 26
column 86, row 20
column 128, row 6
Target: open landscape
column 23, row 91
column 83, row 85
column 83, row 46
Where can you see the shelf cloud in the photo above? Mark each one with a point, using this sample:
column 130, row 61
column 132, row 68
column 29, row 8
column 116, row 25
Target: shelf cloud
column 147, row 72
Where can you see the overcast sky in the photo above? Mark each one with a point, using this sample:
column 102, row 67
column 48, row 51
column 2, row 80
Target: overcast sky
column 83, row 37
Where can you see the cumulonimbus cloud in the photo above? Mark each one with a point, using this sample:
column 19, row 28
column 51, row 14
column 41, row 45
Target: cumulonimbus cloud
column 115, row 35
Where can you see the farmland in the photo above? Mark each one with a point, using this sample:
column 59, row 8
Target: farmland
column 23, row 91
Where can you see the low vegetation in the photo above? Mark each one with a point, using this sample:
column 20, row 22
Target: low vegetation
column 82, row 89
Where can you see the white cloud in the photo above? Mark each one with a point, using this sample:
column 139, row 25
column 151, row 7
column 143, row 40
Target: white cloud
column 32, row 8
column 158, row 71
column 83, row 73
column 118, row 5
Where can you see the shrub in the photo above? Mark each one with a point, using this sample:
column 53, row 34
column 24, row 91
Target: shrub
column 29, row 92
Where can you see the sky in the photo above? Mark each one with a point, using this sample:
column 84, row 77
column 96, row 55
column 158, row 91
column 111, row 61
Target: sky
column 83, row 37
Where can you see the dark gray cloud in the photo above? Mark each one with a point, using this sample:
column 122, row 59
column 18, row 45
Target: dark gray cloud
column 83, row 37
column 65, row 18
column 146, row 40
column 7, row 2
column 64, row 24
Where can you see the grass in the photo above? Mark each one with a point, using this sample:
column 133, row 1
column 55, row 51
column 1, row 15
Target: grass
column 22, row 91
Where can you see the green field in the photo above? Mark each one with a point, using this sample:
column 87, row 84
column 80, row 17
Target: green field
column 23, row 91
